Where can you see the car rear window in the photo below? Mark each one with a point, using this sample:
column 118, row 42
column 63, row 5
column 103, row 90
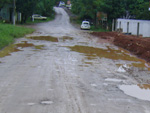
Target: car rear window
column 86, row 23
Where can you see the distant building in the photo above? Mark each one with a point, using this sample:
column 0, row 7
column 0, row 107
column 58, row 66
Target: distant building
column 135, row 27
column 6, row 13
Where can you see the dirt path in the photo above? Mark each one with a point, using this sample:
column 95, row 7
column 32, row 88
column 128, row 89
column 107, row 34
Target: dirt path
column 60, row 69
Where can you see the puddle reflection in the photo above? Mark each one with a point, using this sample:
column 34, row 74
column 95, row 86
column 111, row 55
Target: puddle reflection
column 140, row 91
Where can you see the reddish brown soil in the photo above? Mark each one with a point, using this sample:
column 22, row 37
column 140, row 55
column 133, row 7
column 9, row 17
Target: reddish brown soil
column 136, row 45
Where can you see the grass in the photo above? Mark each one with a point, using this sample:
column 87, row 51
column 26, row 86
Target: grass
column 9, row 32
column 98, row 29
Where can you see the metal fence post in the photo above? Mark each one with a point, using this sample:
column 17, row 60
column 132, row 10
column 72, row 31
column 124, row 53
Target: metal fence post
column 138, row 29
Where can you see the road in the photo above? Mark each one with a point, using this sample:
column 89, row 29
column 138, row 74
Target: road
column 61, row 69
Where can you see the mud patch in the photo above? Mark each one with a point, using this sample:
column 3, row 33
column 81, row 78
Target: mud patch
column 46, row 38
column 140, row 91
column 65, row 38
column 137, row 46
column 16, row 48
column 39, row 46
column 109, row 53
column 141, row 65
column 8, row 50
column 24, row 44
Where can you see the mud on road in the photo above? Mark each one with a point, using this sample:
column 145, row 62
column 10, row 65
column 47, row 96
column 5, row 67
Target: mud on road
column 61, row 69
column 136, row 45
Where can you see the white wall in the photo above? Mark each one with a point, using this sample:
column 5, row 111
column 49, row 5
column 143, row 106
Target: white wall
column 144, row 26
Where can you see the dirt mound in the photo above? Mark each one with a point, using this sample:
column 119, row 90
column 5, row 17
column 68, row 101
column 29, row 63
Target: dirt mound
column 136, row 45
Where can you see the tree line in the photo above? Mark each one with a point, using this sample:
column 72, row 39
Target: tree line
column 29, row 7
column 86, row 9
column 130, row 9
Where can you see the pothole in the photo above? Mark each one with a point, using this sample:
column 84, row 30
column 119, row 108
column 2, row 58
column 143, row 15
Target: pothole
column 46, row 38
column 140, row 91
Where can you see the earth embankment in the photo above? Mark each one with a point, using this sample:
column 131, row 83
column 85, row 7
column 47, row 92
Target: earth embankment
column 136, row 45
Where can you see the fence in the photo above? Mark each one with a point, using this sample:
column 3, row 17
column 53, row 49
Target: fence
column 135, row 27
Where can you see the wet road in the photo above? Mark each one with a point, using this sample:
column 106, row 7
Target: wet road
column 60, row 69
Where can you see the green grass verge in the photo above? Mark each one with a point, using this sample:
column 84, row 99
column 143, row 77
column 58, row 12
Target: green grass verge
column 9, row 32
column 98, row 29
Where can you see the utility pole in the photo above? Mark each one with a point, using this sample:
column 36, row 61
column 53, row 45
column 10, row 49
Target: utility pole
column 149, row 6
column 14, row 12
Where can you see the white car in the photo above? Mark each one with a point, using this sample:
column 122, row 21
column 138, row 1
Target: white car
column 39, row 17
column 85, row 25
column 61, row 3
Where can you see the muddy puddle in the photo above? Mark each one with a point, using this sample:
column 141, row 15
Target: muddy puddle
column 8, row 50
column 120, row 54
column 46, row 38
column 39, row 46
column 24, row 44
column 140, row 91
column 65, row 38
column 17, row 47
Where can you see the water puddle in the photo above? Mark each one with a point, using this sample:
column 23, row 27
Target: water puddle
column 39, row 46
column 140, row 91
column 141, row 65
column 17, row 47
column 120, row 54
column 46, row 102
column 103, row 53
column 31, row 104
column 8, row 50
column 113, row 80
column 24, row 44
column 46, row 38
column 66, row 38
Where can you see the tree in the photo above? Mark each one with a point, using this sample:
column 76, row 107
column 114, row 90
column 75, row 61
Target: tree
column 26, row 7
column 86, row 9
column 3, row 2
column 45, row 7
column 137, row 9
column 29, row 7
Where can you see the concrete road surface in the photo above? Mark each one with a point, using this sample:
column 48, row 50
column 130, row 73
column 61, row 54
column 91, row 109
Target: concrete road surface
column 62, row 69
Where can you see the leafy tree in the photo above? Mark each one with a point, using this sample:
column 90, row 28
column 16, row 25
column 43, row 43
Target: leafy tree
column 45, row 7
column 114, row 8
column 29, row 7
column 86, row 9
column 26, row 7
column 3, row 2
